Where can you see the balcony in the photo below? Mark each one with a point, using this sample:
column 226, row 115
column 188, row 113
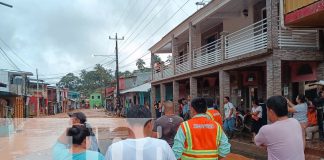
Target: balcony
column 207, row 54
column 182, row 63
column 249, row 39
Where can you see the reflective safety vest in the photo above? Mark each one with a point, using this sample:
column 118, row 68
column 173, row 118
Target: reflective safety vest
column 202, row 139
column 215, row 116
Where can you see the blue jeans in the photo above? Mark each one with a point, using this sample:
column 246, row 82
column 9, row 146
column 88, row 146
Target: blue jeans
column 229, row 124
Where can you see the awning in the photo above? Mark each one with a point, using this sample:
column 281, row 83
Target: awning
column 141, row 88
column 321, row 82
column 3, row 85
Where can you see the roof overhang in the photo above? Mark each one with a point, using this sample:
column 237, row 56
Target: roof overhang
column 141, row 88
column 195, row 18
column 309, row 16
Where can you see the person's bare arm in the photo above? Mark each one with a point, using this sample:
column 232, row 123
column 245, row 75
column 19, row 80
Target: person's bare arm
column 231, row 112
column 291, row 106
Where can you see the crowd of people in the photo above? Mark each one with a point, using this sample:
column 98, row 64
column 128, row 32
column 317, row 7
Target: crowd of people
column 198, row 130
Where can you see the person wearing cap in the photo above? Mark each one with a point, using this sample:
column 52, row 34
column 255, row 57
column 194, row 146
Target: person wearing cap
column 79, row 118
column 312, row 121
column 140, row 145
column 200, row 137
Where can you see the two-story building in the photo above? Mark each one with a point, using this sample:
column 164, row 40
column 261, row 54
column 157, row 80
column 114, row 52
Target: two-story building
column 13, row 93
column 37, row 97
column 237, row 49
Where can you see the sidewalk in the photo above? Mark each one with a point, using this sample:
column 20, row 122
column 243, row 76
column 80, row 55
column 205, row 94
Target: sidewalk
column 242, row 144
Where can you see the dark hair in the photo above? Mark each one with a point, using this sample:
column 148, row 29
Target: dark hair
column 78, row 133
column 199, row 105
column 256, row 101
column 80, row 116
column 209, row 102
column 137, row 114
column 279, row 105
column 302, row 98
column 227, row 97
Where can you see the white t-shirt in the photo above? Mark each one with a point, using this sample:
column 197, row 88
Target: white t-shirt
column 257, row 109
column 227, row 109
column 283, row 140
column 140, row 149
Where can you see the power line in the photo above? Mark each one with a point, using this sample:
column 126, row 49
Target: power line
column 139, row 24
column 56, row 76
column 141, row 13
column 151, row 20
column 15, row 53
column 9, row 59
column 126, row 65
column 123, row 14
column 175, row 2
column 157, row 30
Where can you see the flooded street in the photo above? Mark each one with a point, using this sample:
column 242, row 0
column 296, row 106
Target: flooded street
column 36, row 136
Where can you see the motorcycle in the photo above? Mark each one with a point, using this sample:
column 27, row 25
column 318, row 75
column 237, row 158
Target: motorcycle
column 243, row 121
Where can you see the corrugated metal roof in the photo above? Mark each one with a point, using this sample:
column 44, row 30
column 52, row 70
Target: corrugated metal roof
column 142, row 88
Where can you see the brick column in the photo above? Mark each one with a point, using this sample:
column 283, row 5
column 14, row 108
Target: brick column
column 174, row 48
column 153, row 99
column 194, row 41
column 273, row 76
column 162, row 90
column 176, row 96
column 193, row 87
column 224, row 88
column 320, row 71
column 272, row 23
column 223, row 40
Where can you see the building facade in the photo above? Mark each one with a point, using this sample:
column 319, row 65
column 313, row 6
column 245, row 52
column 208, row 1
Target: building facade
column 236, row 49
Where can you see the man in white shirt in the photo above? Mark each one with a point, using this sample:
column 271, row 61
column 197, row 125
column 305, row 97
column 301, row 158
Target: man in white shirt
column 139, row 145
column 229, row 121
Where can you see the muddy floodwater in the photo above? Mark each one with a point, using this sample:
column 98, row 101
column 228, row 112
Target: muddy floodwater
column 33, row 138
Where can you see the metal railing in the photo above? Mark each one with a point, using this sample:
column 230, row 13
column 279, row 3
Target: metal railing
column 167, row 71
column 157, row 75
column 249, row 39
column 298, row 38
column 182, row 63
column 207, row 54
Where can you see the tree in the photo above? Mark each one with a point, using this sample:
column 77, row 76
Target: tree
column 70, row 81
column 125, row 74
column 169, row 59
column 98, row 78
column 156, row 58
column 140, row 64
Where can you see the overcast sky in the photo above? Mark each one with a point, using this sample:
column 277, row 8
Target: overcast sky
column 59, row 36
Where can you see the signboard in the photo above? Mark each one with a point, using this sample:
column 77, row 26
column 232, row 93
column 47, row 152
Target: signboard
column 285, row 91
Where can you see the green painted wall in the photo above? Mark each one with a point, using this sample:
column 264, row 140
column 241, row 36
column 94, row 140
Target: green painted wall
column 95, row 99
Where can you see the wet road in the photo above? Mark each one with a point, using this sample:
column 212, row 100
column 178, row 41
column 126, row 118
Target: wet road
column 36, row 136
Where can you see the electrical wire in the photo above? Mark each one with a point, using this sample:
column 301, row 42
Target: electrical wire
column 156, row 31
column 9, row 59
column 139, row 24
column 151, row 20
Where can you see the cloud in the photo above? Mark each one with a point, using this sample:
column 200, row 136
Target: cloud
column 60, row 36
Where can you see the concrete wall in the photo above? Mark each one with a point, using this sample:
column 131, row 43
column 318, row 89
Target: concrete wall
column 236, row 23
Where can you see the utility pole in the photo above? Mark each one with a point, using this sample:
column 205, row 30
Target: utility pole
column 37, row 88
column 117, row 70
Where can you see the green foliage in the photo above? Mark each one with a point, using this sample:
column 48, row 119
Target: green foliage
column 156, row 58
column 140, row 64
column 70, row 81
column 88, row 81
